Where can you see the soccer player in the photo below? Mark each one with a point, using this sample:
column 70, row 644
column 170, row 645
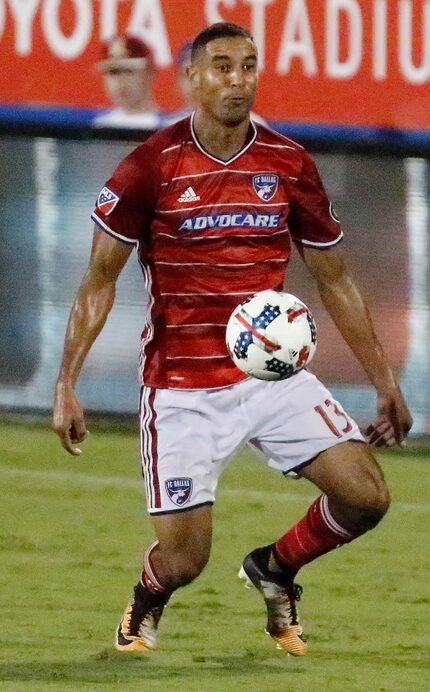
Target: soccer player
column 187, row 199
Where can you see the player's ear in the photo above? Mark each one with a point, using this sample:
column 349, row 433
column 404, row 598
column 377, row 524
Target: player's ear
column 193, row 75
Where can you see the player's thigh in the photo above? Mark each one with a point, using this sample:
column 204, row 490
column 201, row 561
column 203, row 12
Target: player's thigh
column 299, row 419
column 349, row 474
column 187, row 437
column 175, row 451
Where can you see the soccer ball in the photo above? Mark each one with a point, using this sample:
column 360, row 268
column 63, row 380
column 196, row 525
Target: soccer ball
column 271, row 335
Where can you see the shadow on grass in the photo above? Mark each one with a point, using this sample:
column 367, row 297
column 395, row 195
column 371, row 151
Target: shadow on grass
column 110, row 667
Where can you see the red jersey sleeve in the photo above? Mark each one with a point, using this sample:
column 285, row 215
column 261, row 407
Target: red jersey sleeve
column 312, row 220
column 125, row 204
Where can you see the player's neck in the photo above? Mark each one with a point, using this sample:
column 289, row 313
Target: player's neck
column 220, row 140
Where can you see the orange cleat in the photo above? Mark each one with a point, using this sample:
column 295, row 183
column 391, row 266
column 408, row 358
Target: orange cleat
column 137, row 631
column 280, row 594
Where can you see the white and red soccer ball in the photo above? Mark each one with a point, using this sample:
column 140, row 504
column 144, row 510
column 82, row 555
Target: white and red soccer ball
column 271, row 335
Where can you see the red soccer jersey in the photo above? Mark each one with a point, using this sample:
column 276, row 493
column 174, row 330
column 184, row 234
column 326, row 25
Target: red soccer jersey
column 210, row 233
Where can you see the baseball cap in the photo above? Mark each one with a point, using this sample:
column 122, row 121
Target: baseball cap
column 127, row 52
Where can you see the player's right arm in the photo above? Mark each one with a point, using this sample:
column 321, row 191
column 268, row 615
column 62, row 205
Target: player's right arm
column 88, row 315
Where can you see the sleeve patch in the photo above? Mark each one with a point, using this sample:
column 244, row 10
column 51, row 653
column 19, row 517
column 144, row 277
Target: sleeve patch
column 107, row 201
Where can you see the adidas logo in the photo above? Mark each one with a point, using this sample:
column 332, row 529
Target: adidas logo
column 189, row 196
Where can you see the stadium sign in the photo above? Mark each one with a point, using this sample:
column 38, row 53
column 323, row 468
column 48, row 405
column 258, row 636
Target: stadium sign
column 359, row 62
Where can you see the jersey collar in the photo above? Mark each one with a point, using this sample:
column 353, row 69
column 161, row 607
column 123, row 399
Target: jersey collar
column 251, row 139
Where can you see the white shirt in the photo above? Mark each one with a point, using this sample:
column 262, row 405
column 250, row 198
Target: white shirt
column 118, row 117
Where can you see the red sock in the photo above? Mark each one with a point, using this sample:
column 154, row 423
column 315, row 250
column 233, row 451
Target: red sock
column 149, row 577
column 317, row 533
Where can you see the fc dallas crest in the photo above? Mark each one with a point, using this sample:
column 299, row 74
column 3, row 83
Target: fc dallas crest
column 179, row 490
column 265, row 185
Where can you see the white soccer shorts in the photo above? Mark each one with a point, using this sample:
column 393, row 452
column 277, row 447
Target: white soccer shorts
column 188, row 436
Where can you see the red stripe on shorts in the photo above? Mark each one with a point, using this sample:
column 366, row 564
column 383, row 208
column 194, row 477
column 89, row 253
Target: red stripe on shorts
column 148, row 446
column 154, row 449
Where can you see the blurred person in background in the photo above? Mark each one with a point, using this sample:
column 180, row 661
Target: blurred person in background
column 128, row 70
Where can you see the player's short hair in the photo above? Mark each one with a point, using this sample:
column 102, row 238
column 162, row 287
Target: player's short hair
column 217, row 30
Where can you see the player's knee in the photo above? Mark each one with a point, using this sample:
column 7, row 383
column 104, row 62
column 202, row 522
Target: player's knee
column 374, row 506
column 367, row 494
column 185, row 568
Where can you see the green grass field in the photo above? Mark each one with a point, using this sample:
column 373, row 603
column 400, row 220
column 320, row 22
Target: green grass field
column 72, row 535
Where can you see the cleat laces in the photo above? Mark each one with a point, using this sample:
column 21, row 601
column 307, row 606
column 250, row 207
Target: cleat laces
column 281, row 607
column 280, row 594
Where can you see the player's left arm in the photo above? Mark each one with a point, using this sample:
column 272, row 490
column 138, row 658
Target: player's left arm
column 346, row 306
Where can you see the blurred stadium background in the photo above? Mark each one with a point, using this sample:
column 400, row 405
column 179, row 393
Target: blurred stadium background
column 350, row 79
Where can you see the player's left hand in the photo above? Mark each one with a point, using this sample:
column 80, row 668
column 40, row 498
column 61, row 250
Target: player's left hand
column 393, row 422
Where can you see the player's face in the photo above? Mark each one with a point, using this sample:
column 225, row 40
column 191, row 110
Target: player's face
column 126, row 87
column 224, row 78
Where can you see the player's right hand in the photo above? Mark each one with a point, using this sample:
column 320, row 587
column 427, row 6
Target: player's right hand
column 68, row 419
column 393, row 422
